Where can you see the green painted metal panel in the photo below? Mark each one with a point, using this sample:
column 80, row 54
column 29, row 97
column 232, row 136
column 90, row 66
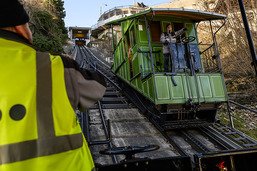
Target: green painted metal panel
column 136, row 64
column 217, row 86
column 121, row 53
column 186, row 86
column 119, row 56
column 146, row 62
column 122, row 71
column 125, row 25
column 145, row 88
column 162, row 87
column 158, row 58
column 140, row 63
column 177, row 92
column 150, row 85
column 115, row 64
column 210, row 88
column 142, row 34
column 205, row 86
column 192, row 86
column 139, row 84
column 119, row 72
column 126, row 70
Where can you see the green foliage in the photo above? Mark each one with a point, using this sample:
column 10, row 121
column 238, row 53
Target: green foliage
column 58, row 8
column 48, row 28
column 59, row 13
column 241, row 122
column 44, row 43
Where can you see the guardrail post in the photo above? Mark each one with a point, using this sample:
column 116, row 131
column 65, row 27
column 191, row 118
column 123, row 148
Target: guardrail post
column 231, row 122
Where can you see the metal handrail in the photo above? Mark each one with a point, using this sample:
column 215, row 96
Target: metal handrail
column 118, row 7
column 211, row 45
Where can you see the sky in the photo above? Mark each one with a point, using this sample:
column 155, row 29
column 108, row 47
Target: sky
column 85, row 13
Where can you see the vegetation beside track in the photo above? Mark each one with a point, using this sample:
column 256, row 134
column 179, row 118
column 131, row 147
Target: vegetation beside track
column 47, row 24
column 244, row 120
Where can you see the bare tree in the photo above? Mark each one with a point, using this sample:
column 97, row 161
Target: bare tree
column 235, row 54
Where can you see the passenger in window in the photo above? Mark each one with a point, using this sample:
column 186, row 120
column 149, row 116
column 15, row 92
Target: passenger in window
column 167, row 38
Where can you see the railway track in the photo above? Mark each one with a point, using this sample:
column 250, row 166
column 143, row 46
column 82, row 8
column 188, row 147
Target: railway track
column 117, row 121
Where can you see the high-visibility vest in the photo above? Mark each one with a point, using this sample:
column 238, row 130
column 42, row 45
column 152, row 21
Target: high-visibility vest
column 38, row 126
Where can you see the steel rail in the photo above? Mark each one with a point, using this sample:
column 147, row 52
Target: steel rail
column 196, row 142
column 221, row 138
column 244, row 107
column 92, row 55
column 217, row 141
column 103, row 73
column 107, row 131
column 105, row 124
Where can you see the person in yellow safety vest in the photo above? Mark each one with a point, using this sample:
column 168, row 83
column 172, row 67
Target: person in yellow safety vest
column 38, row 95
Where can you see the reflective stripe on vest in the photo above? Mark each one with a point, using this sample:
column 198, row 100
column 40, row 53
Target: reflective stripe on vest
column 47, row 143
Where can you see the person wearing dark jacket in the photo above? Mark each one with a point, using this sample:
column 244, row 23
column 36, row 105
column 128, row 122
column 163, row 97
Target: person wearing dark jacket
column 38, row 95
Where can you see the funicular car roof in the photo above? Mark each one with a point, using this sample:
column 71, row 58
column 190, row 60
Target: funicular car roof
column 191, row 14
